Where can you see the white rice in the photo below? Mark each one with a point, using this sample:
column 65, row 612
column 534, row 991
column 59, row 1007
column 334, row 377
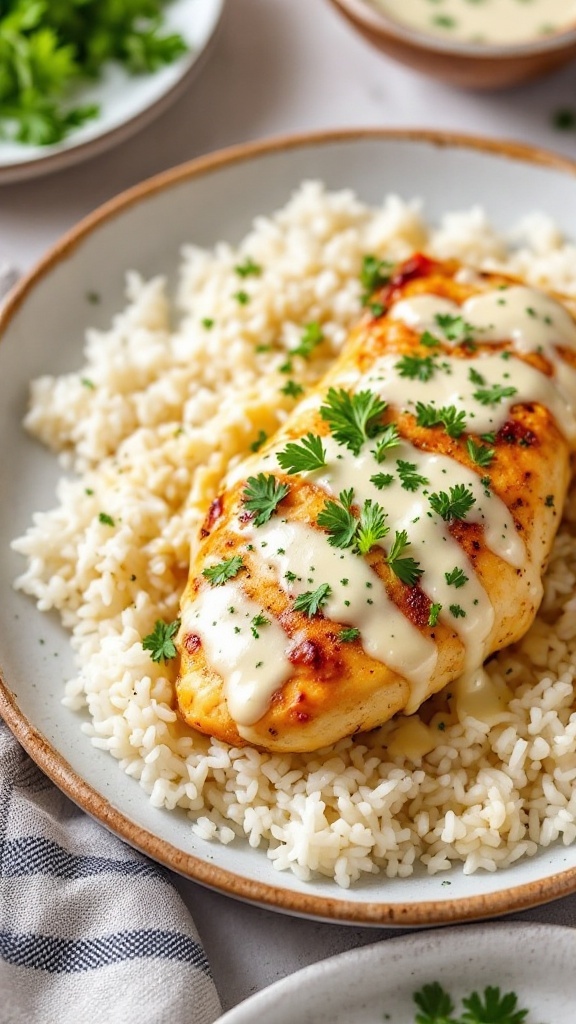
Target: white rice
column 149, row 424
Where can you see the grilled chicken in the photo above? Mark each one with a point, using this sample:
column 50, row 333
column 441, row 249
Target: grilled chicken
column 394, row 533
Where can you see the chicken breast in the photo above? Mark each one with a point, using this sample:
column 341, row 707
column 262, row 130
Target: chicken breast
column 394, row 533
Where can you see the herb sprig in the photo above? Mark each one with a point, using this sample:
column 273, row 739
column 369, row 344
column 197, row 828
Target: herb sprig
column 436, row 1006
column 262, row 495
column 353, row 418
column 160, row 641
column 303, row 456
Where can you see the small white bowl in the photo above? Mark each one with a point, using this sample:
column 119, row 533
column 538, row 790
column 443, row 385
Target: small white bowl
column 463, row 64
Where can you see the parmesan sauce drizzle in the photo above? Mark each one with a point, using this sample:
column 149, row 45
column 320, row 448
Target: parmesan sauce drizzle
column 484, row 21
column 299, row 558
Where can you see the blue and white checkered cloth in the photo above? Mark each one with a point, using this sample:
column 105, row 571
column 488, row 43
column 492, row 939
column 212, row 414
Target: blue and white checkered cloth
column 91, row 932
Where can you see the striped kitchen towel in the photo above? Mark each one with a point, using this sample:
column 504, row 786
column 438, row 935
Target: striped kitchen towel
column 91, row 932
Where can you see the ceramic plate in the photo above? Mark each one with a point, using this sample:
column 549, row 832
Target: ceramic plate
column 43, row 325
column 127, row 102
column 377, row 983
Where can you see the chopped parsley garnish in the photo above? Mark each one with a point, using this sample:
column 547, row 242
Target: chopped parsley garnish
column 346, row 636
column 455, row 505
column 389, row 438
column 429, row 340
column 292, row 389
column 160, row 642
column 104, row 518
column 256, row 623
column 353, row 418
column 248, row 268
column 338, row 520
column 223, row 571
column 290, row 576
column 409, row 478
column 310, row 339
column 434, row 614
column 454, row 328
column 371, row 526
column 457, row 611
column 435, row 1006
column 242, row 298
column 312, row 601
column 456, row 578
column 374, row 274
column 87, row 383
column 479, row 453
column 494, row 394
column 475, row 377
column 406, row 569
column 416, row 367
column 381, row 480
column 262, row 495
column 453, row 421
column 303, row 456
column 207, row 323
column 257, row 444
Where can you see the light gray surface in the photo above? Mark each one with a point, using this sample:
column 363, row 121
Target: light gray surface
column 278, row 66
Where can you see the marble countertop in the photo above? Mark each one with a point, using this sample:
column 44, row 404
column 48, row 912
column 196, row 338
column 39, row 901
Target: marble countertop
column 278, row 66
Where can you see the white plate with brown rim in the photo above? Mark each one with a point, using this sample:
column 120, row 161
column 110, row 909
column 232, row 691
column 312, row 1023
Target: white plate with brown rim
column 126, row 102
column 42, row 327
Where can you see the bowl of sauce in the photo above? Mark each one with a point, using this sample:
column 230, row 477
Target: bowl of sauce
column 479, row 44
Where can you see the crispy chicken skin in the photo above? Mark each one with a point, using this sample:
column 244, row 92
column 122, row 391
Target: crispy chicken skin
column 336, row 688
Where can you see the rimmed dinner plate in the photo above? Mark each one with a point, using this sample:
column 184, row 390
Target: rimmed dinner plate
column 42, row 329
column 127, row 102
column 377, row 983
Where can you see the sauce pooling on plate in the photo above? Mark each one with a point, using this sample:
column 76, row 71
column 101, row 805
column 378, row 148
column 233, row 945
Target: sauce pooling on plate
column 488, row 22
column 369, row 526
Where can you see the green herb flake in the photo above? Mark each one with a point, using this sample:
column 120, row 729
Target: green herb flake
column 457, row 611
column 374, row 274
column 292, row 389
column 312, row 601
column 479, row 453
column 311, row 337
column 409, row 478
column 434, row 614
column 416, row 367
column 257, row 444
column 453, row 421
column 381, row 480
column 242, row 298
column 160, row 642
column 207, row 323
column 262, row 495
column 303, row 456
column 353, row 418
column 256, row 623
column 371, row 526
column 223, row 571
column 248, row 268
column 454, row 505
column 389, row 438
column 105, row 519
column 494, row 394
column 406, row 569
column 338, row 521
column 456, row 578
column 87, row 383
column 454, row 327
column 347, row 636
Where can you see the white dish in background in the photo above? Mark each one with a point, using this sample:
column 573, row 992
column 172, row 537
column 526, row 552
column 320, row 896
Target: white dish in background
column 376, row 983
column 42, row 328
column 127, row 102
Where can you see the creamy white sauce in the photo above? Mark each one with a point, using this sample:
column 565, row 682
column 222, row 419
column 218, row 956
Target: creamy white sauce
column 357, row 597
column 252, row 667
column 300, row 558
column 483, row 21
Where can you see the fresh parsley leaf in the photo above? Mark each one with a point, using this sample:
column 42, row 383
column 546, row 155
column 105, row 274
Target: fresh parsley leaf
column 338, row 520
column 409, row 478
column 257, row 444
column 303, row 456
column 312, row 601
column 475, row 377
column 347, row 636
column 248, row 268
column 374, row 274
column 256, row 623
column 494, row 394
column 223, row 571
column 353, row 418
column 389, row 438
column 492, row 1008
column 455, row 505
column 456, row 577
column 416, row 367
column 105, row 519
column 429, row 340
column 160, row 642
column 479, row 453
column 457, row 611
column 406, row 569
column 381, row 480
column 311, row 337
column 455, row 328
column 371, row 526
column 453, row 421
column 435, row 1005
column 262, row 494
column 292, row 389
column 434, row 614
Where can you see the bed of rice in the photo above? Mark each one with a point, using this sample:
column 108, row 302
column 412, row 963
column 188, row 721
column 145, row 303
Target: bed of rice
column 149, row 424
